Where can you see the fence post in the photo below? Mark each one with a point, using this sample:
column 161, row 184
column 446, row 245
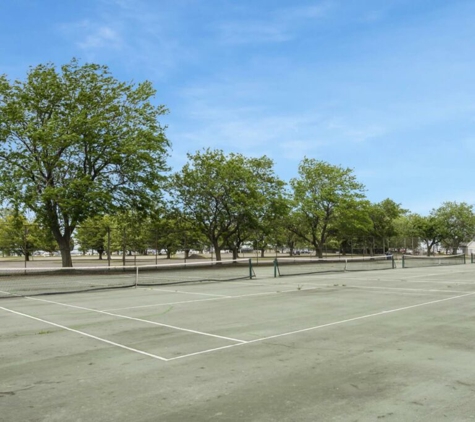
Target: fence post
column 124, row 247
column 156, row 247
column 26, row 244
column 108, row 246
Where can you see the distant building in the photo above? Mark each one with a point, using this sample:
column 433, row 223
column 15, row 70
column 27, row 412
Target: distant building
column 468, row 248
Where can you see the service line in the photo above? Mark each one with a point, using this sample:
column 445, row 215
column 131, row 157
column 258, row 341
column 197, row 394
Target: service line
column 317, row 327
column 82, row 333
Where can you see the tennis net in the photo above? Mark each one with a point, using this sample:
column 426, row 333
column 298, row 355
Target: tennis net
column 42, row 281
column 195, row 272
column 301, row 266
column 411, row 261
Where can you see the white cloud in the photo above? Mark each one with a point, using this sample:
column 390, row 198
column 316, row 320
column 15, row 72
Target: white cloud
column 100, row 37
column 304, row 12
column 247, row 32
column 280, row 26
column 91, row 36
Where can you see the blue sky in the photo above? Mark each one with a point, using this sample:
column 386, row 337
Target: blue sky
column 386, row 87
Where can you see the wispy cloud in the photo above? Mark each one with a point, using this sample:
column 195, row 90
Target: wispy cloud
column 285, row 136
column 97, row 36
column 252, row 31
column 121, row 29
column 280, row 25
column 299, row 13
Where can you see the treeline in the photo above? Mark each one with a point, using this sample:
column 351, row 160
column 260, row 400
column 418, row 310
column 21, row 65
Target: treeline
column 224, row 202
column 86, row 156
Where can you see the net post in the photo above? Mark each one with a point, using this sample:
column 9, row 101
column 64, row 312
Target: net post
column 250, row 269
column 275, row 268
column 471, row 258
column 403, row 261
column 464, row 260
column 394, row 262
column 136, row 276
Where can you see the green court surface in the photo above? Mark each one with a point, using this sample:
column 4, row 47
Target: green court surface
column 392, row 345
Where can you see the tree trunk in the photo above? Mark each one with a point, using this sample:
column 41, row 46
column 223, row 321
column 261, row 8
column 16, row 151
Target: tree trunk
column 64, row 247
column 318, row 250
column 235, row 253
column 429, row 248
column 217, row 251
column 262, row 253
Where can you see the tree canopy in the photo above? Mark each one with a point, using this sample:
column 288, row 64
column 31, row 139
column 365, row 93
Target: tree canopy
column 322, row 194
column 75, row 142
column 226, row 196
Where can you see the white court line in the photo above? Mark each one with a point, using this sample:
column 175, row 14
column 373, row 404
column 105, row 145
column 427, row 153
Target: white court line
column 162, row 304
column 136, row 319
column 131, row 349
column 240, row 342
column 444, row 282
column 437, row 274
column 406, row 289
column 213, row 298
column 314, row 287
column 189, row 293
column 317, row 327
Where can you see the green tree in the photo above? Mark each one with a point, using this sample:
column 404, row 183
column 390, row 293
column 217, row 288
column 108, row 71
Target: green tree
column 269, row 211
column 430, row 229
column 383, row 216
column 352, row 227
column 22, row 237
column 458, row 223
column 76, row 142
column 224, row 194
column 93, row 234
column 275, row 207
column 172, row 232
column 321, row 194
column 407, row 236
column 129, row 233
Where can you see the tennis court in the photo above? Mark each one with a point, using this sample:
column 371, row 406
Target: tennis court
column 392, row 345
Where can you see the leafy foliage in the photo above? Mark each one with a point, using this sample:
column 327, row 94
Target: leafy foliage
column 323, row 196
column 227, row 197
column 458, row 223
column 76, row 142
column 22, row 237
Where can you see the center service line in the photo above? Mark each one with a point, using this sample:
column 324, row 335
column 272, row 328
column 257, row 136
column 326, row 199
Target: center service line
column 317, row 327
column 138, row 319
